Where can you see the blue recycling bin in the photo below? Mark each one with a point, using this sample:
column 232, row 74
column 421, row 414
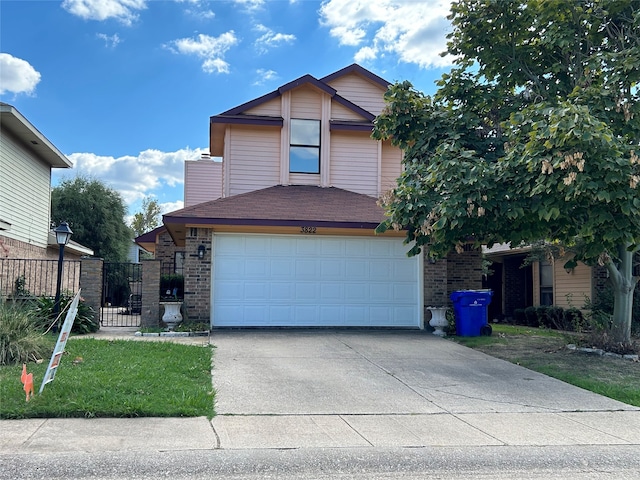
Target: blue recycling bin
column 470, row 308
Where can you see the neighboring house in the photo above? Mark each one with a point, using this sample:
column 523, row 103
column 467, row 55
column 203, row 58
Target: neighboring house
column 26, row 160
column 135, row 252
column 291, row 241
column 518, row 284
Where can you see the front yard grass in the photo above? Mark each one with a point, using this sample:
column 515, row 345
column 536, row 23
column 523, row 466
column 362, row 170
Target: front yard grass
column 545, row 351
column 120, row 378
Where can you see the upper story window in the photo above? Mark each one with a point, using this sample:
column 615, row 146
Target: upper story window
column 304, row 150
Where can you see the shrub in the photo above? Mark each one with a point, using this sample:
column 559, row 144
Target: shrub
column 531, row 316
column 20, row 338
column 542, row 314
column 519, row 317
column 85, row 321
column 193, row 327
column 554, row 316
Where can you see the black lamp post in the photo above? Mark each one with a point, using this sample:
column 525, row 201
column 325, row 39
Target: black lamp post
column 63, row 233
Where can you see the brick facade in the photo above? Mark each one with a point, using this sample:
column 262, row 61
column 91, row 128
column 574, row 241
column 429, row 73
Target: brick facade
column 12, row 248
column 197, row 276
column 464, row 271
column 166, row 252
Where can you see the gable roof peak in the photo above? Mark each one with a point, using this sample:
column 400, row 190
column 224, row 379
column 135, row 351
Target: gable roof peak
column 358, row 70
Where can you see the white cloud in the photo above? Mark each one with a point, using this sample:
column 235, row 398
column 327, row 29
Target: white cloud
column 110, row 41
column 17, row 75
column 170, row 206
column 125, row 11
column 270, row 39
column 265, row 76
column 134, row 177
column 210, row 49
column 198, row 9
column 250, row 5
column 415, row 31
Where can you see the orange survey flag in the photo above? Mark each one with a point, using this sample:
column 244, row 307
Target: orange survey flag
column 27, row 381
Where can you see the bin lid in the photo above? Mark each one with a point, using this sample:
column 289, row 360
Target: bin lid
column 480, row 294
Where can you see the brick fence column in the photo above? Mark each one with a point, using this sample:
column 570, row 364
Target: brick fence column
column 91, row 282
column 150, row 314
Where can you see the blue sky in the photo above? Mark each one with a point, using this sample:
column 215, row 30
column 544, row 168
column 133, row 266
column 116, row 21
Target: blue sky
column 125, row 88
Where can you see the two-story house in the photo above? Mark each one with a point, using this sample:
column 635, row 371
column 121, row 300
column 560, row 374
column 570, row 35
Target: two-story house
column 26, row 160
column 287, row 236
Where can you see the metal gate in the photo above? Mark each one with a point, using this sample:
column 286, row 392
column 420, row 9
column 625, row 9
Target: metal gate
column 121, row 295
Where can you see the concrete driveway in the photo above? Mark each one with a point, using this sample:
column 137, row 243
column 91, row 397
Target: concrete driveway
column 358, row 388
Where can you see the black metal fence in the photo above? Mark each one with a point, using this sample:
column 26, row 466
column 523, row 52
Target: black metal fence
column 121, row 295
column 23, row 278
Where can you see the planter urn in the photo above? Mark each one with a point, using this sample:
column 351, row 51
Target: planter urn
column 172, row 315
column 438, row 320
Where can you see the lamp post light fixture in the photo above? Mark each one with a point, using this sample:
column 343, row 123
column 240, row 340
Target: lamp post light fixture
column 63, row 233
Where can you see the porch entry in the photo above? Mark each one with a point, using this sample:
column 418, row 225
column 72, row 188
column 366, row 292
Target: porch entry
column 121, row 295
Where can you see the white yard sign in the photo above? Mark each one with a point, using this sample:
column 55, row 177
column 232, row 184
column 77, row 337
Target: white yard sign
column 62, row 341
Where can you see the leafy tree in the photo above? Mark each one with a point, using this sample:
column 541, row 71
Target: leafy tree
column 534, row 134
column 96, row 215
column 148, row 218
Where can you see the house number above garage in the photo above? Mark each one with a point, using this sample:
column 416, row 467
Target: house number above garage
column 308, row 230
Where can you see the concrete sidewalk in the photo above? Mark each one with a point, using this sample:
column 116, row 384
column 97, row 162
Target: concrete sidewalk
column 348, row 388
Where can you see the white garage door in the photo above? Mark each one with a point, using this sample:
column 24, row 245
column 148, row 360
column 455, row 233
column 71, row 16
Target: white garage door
column 285, row 280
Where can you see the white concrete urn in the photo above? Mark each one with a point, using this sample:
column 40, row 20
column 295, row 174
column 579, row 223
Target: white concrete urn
column 172, row 315
column 438, row 320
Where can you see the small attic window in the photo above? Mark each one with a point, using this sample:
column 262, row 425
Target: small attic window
column 304, row 149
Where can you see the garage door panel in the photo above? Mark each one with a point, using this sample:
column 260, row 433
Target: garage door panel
column 282, row 292
column 281, row 267
column 231, row 290
column 279, row 280
column 256, row 267
column 331, row 292
column 332, row 269
column 307, row 292
column 307, row 269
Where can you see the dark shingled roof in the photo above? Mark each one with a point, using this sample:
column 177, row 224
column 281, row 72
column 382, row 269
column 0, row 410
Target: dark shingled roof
column 286, row 206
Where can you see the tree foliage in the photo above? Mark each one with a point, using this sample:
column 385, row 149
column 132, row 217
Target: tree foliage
column 534, row 134
column 96, row 214
column 147, row 219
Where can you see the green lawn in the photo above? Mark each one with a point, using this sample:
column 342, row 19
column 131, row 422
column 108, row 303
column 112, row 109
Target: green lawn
column 122, row 378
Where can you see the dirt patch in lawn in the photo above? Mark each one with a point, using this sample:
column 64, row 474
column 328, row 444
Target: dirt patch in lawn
column 613, row 377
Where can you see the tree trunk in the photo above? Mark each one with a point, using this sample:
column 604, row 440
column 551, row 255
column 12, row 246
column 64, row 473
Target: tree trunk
column 623, row 286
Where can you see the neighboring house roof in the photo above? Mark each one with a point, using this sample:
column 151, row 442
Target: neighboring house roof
column 73, row 247
column 148, row 240
column 238, row 116
column 13, row 121
column 288, row 206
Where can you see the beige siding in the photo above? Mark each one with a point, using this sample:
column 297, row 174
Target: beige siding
column 202, row 181
column 271, row 108
column 340, row 112
column 361, row 92
column 571, row 289
column 391, row 166
column 304, row 179
column 354, row 162
column 25, row 193
column 306, row 103
column 255, row 159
